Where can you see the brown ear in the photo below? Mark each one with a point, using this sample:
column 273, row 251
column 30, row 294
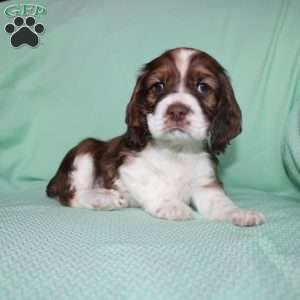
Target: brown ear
column 137, row 128
column 227, row 121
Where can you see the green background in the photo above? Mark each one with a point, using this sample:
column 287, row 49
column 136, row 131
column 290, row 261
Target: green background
column 77, row 83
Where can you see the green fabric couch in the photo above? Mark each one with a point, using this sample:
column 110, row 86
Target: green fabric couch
column 77, row 83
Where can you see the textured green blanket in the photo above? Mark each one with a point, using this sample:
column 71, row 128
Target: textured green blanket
column 50, row 252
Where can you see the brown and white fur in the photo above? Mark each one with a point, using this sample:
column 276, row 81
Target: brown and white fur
column 182, row 112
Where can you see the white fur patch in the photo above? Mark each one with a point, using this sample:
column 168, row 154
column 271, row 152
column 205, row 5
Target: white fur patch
column 160, row 179
column 83, row 175
column 88, row 194
column 182, row 62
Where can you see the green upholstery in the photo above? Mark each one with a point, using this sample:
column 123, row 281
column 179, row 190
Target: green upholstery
column 77, row 84
column 291, row 145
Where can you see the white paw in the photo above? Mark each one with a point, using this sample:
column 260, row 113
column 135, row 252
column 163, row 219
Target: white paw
column 241, row 217
column 173, row 211
column 118, row 200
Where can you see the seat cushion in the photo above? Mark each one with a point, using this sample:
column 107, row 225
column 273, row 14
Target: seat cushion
column 54, row 252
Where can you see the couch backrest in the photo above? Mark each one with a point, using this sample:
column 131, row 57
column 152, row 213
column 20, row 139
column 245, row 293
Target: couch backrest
column 77, row 82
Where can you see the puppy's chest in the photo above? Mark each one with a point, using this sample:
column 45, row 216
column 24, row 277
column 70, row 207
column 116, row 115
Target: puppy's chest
column 157, row 168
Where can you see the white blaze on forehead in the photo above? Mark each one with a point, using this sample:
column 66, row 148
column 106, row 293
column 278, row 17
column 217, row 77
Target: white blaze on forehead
column 182, row 61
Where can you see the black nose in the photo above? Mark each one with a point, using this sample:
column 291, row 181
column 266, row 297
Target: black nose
column 177, row 111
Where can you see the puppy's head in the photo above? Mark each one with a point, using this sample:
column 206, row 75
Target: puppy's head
column 183, row 96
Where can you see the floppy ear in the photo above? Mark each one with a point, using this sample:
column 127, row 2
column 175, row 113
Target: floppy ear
column 226, row 123
column 137, row 129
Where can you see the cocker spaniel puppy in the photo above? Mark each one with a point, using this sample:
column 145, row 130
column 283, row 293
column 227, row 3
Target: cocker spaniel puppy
column 181, row 114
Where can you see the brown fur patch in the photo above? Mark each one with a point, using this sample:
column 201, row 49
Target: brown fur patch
column 214, row 184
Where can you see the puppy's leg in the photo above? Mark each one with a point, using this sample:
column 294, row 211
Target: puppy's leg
column 164, row 206
column 170, row 210
column 212, row 203
column 87, row 194
column 152, row 192
column 104, row 199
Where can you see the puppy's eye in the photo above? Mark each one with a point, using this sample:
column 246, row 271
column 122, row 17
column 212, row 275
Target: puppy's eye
column 202, row 87
column 158, row 87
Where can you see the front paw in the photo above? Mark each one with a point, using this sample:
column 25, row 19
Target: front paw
column 241, row 217
column 173, row 211
column 118, row 200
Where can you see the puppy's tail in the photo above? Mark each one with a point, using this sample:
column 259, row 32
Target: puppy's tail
column 58, row 186
column 52, row 188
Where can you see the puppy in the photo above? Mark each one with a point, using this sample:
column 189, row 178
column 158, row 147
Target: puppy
column 181, row 114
